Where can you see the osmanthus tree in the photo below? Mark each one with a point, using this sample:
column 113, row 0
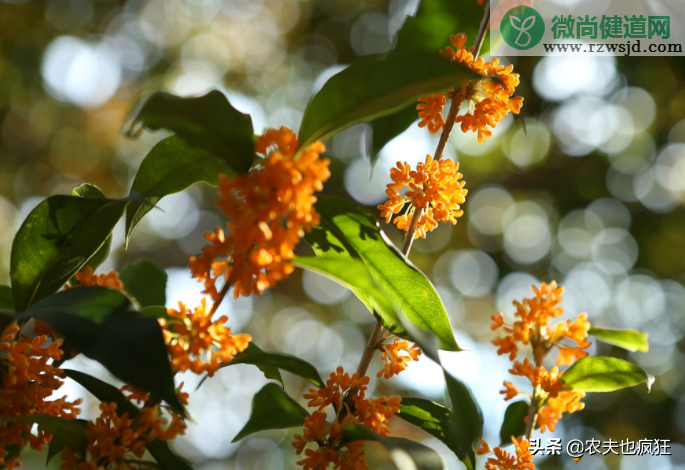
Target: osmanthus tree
column 57, row 307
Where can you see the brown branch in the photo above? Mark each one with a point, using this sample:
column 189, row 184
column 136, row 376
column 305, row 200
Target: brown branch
column 370, row 350
column 222, row 295
column 532, row 415
column 484, row 24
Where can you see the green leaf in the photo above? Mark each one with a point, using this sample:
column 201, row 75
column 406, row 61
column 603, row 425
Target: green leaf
column 513, row 424
column 405, row 286
column 604, row 374
column 69, row 432
column 6, row 300
column 631, row 340
column 678, row 66
column 6, row 318
column 369, row 89
column 436, row 420
column 384, row 129
column 352, row 273
column 467, row 425
column 270, row 372
column 107, row 393
column 405, row 454
column 88, row 190
column 208, row 122
column 155, row 311
column 146, row 282
column 272, row 408
column 430, row 28
column 285, row 362
column 102, row 324
column 171, row 167
column 56, row 240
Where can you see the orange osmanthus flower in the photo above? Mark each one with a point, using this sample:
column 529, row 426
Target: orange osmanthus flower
column 340, row 389
column 435, row 186
column 87, row 278
column 199, row 343
column 395, row 361
column 269, row 209
column 489, row 98
column 503, row 460
column 28, row 381
column 533, row 327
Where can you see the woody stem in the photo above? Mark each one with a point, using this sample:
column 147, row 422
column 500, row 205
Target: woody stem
column 539, row 353
column 220, row 298
column 370, row 350
column 532, row 415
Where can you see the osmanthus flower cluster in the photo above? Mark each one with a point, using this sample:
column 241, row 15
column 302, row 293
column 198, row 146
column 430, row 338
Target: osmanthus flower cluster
column 490, row 98
column 435, row 187
column 118, row 441
column 347, row 396
column 87, row 278
column 394, row 361
column 533, row 328
column 28, row 381
column 503, row 460
column 268, row 208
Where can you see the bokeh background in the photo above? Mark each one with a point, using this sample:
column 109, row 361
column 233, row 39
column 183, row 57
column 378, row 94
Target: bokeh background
column 589, row 193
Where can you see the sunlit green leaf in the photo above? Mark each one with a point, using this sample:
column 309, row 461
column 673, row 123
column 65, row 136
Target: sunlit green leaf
column 631, row 340
column 405, row 454
column 171, row 167
column 352, row 273
column 146, row 282
column 208, row 122
column 467, row 425
column 405, row 286
column 272, row 408
column 102, row 324
column 107, row 393
column 513, row 424
column 370, row 89
column 604, row 374
column 69, row 432
column 56, row 240
column 285, row 362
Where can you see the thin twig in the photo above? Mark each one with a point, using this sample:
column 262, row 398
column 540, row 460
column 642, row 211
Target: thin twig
column 371, row 348
column 532, row 416
column 222, row 294
column 447, row 129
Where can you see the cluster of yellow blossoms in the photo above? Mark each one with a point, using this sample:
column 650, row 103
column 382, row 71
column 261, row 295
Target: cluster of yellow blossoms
column 533, row 328
column 268, row 210
column 346, row 394
column 28, row 381
column 490, row 98
column 114, row 440
column 435, row 187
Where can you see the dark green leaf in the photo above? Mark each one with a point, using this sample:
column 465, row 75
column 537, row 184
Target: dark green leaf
column 170, row 167
column 5, row 319
column 604, row 374
column 56, row 240
column 678, row 66
column 208, row 122
column 6, row 300
column 627, row 339
column 69, row 432
column 384, row 129
column 513, row 424
column 107, row 393
column 88, row 190
column 467, row 426
column 436, row 420
column 405, row 454
column 102, row 324
column 272, row 408
column 405, row 286
column 368, row 89
column 155, row 311
column 285, row 362
column 352, row 273
column 146, row 282
column 430, row 28
column 269, row 371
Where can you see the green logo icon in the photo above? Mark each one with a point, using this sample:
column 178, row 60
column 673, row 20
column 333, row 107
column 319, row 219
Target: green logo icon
column 522, row 27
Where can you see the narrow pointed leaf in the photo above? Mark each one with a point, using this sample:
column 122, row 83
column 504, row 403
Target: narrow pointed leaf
column 514, row 422
column 604, row 374
column 272, row 408
column 66, row 432
column 208, row 122
column 467, row 426
column 171, row 167
column 386, row 128
column 6, row 300
column 102, row 324
column 370, row 89
column 631, row 340
column 146, row 282
column 270, row 372
column 285, row 362
column 90, row 190
column 405, row 454
column 56, row 240
column 352, row 273
column 405, row 286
